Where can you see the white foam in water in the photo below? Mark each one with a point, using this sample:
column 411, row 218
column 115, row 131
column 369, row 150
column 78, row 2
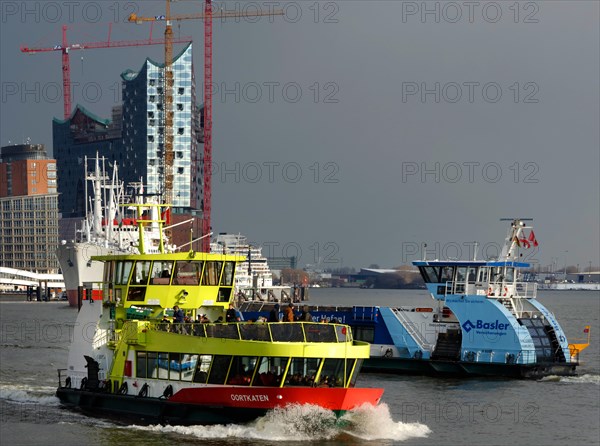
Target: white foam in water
column 43, row 395
column 583, row 379
column 308, row 423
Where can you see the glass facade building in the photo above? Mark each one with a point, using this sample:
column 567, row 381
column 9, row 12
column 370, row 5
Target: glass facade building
column 143, row 129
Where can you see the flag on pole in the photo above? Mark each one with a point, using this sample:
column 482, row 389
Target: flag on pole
column 525, row 243
column 586, row 329
column 532, row 238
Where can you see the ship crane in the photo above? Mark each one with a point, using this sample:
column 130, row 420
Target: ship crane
column 65, row 48
column 207, row 16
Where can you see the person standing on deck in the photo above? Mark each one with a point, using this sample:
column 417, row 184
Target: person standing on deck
column 274, row 314
column 289, row 313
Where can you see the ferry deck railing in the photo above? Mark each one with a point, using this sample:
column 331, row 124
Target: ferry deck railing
column 526, row 290
column 263, row 331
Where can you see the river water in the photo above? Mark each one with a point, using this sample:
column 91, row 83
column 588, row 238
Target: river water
column 34, row 339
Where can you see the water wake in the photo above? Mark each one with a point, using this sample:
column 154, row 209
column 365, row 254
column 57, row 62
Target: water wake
column 583, row 379
column 308, row 423
column 27, row 394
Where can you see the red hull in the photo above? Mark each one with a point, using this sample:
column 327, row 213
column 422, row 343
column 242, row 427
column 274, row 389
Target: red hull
column 271, row 397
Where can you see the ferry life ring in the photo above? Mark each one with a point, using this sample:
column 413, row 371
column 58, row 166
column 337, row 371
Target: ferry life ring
column 68, row 382
column 144, row 391
column 505, row 291
column 83, row 383
column 123, row 390
column 168, row 392
column 490, row 291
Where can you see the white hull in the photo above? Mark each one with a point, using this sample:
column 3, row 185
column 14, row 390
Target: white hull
column 77, row 266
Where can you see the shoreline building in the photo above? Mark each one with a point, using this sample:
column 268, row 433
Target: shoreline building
column 134, row 138
column 29, row 206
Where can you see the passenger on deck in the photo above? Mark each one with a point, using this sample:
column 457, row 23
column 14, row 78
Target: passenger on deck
column 274, row 314
column 231, row 314
column 289, row 313
column 305, row 315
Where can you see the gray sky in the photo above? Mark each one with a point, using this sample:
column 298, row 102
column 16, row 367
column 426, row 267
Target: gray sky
column 353, row 132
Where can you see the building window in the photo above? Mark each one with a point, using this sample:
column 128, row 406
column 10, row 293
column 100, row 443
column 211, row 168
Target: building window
column 152, row 98
column 180, row 90
column 180, row 130
column 150, row 138
column 180, row 107
column 151, row 114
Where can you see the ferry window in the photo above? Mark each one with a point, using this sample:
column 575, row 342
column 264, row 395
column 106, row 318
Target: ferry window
column 483, row 274
column 136, row 294
column 141, row 362
column 227, row 279
column 212, row 273
column 219, row 369
column 152, row 364
column 302, row 372
column 430, row 274
column 496, row 274
column 202, row 368
column 366, row 334
column 224, row 295
column 187, row 273
column 510, row 274
column 162, row 366
column 242, row 370
column 270, row 371
column 357, row 367
column 161, row 273
column 472, row 274
column 175, row 366
column 182, row 366
column 123, row 271
column 332, row 373
column 141, row 273
column 461, row 274
column 447, row 274
column 109, row 271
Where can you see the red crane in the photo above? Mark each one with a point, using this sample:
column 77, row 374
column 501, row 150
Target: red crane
column 208, row 16
column 66, row 47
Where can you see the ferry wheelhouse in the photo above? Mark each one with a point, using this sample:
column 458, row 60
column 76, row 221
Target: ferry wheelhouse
column 484, row 321
column 136, row 359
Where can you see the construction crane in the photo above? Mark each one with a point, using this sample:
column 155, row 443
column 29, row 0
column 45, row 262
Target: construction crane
column 66, row 48
column 208, row 17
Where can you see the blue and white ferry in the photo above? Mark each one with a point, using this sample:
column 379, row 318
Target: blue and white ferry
column 483, row 321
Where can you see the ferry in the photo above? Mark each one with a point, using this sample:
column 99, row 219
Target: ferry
column 483, row 321
column 157, row 349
